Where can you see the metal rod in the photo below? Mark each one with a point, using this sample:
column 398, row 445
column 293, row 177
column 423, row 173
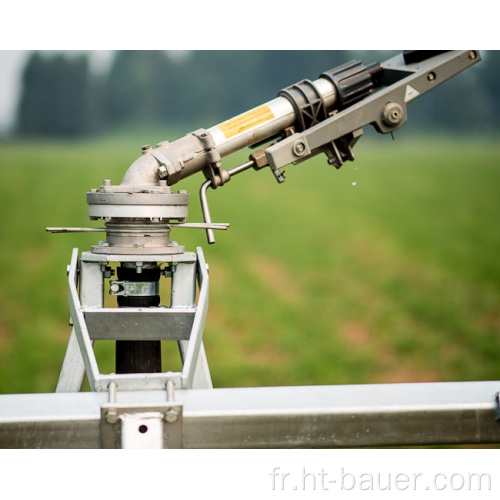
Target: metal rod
column 170, row 391
column 112, row 388
column 240, row 168
column 220, row 226
column 75, row 230
column 206, row 210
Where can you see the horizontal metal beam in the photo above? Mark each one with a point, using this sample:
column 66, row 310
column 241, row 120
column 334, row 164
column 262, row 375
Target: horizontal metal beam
column 134, row 323
column 274, row 417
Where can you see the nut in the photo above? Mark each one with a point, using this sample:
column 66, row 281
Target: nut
column 392, row 114
column 171, row 415
column 111, row 416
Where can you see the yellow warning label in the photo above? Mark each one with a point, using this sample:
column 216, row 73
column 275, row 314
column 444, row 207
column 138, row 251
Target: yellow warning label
column 246, row 121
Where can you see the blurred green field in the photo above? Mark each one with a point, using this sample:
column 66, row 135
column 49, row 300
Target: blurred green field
column 384, row 271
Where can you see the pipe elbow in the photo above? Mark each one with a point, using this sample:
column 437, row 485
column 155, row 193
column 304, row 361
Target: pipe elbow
column 143, row 172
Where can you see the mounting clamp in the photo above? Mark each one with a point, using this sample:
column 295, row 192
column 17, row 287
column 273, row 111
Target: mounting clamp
column 142, row 426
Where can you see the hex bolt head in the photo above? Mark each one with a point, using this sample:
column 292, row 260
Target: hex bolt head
column 431, row 76
column 111, row 416
column 392, row 114
column 171, row 415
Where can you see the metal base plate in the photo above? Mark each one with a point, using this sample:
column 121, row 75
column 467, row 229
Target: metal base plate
column 116, row 250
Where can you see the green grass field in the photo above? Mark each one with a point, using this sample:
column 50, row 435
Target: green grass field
column 384, row 271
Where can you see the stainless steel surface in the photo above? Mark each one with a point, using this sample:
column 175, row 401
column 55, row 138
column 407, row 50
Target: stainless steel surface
column 272, row 417
column 133, row 323
column 134, row 288
column 283, row 116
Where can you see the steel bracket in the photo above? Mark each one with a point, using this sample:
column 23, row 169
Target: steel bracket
column 384, row 109
column 143, row 426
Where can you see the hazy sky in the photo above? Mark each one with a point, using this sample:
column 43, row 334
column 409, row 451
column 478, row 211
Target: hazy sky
column 11, row 67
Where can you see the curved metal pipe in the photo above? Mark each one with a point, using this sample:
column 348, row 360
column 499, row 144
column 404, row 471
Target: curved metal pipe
column 189, row 154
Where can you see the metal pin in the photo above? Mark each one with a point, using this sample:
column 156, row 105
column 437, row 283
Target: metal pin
column 112, row 388
column 170, row 391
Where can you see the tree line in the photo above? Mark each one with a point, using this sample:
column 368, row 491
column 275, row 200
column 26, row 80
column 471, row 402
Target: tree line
column 62, row 97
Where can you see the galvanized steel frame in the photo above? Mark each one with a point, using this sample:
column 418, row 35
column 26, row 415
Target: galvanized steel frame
column 80, row 354
column 272, row 417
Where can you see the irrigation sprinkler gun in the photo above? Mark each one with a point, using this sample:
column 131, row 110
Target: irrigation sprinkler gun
column 141, row 404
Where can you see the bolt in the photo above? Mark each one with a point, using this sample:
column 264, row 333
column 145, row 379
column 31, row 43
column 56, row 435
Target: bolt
column 111, row 416
column 173, row 244
column 115, row 288
column 392, row 114
column 145, row 149
column 182, row 191
column 162, row 171
column 171, row 415
column 431, row 76
column 472, row 54
column 299, row 148
column 106, row 182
